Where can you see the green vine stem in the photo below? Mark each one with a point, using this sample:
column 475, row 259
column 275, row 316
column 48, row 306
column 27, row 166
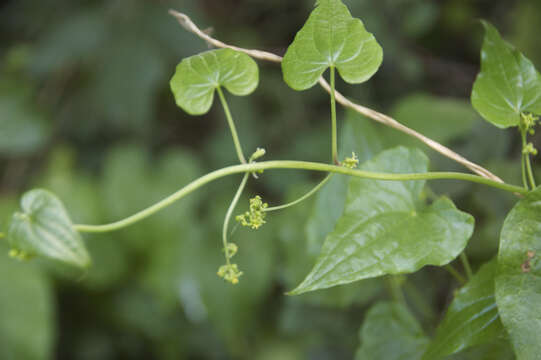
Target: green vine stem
column 526, row 157
column 451, row 270
column 333, row 119
column 395, row 288
column 302, row 198
column 523, row 170
column 466, row 265
column 231, row 123
column 230, row 213
column 288, row 164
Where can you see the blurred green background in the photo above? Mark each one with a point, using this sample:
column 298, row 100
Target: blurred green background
column 86, row 111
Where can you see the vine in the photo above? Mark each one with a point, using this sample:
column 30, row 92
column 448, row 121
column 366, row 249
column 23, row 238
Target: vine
column 386, row 228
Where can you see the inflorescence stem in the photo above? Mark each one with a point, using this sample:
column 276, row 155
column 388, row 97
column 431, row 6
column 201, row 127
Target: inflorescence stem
column 286, row 164
column 302, row 198
column 230, row 213
column 526, row 164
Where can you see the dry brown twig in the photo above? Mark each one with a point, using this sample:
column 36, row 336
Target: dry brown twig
column 188, row 24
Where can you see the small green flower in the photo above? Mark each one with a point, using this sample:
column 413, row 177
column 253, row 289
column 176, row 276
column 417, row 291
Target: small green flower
column 529, row 149
column 231, row 250
column 255, row 217
column 528, row 121
column 351, row 162
column 230, row 273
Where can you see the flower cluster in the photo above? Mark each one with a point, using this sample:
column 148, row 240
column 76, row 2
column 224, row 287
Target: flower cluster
column 351, row 162
column 231, row 250
column 230, row 273
column 528, row 121
column 255, row 217
column 529, row 149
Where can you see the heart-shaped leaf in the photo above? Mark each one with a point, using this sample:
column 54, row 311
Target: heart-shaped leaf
column 472, row 318
column 43, row 228
column 331, row 37
column 391, row 332
column 197, row 77
column 508, row 83
column 386, row 229
column 518, row 284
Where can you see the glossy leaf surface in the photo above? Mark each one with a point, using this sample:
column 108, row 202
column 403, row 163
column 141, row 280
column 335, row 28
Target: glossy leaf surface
column 391, row 332
column 508, row 83
column 331, row 37
column 472, row 317
column 386, row 229
column 43, row 228
column 518, row 284
column 197, row 77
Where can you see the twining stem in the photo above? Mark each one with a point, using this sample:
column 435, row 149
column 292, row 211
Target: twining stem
column 466, row 265
column 230, row 213
column 526, row 157
column 302, row 198
column 455, row 274
column 334, row 133
column 287, row 164
column 231, row 123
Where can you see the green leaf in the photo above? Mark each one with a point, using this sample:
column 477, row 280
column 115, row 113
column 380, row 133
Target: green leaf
column 499, row 350
column 198, row 76
column 331, row 37
column 518, row 284
column 386, row 229
column 45, row 229
column 508, row 83
column 390, row 332
column 472, row 318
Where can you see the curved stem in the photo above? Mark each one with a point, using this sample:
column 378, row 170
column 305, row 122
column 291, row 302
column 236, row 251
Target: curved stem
column 286, row 164
column 232, row 127
column 334, row 132
column 302, row 198
column 230, row 212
